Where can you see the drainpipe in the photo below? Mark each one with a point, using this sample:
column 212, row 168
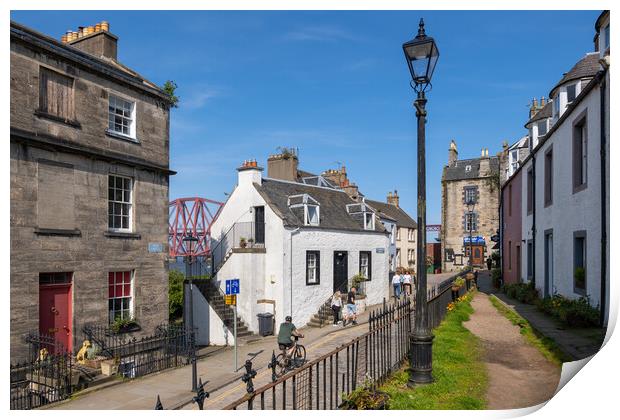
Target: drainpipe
column 603, row 303
column 293, row 232
column 534, row 220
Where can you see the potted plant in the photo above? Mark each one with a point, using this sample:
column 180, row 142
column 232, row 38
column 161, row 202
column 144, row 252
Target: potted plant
column 580, row 277
column 458, row 283
column 251, row 242
column 123, row 326
column 367, row 397
column 242, row 242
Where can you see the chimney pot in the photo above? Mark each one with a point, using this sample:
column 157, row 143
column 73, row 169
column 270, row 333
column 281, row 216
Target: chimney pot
column 97, row 42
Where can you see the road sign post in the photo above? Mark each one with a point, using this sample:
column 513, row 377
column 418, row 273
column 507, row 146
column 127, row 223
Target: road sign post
column 232, row 290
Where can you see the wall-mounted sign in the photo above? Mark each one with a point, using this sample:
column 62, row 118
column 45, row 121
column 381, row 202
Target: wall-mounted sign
column 155, row 247
column 475, row 240
column 380, row 250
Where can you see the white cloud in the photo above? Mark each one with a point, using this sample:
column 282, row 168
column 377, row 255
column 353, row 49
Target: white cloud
column 320, row 33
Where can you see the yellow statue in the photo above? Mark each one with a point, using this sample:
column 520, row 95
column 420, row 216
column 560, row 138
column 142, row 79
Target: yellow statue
column 81, row 355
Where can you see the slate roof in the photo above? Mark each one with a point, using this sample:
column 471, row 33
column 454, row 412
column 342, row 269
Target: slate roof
column 545, row 112
column 588, row 66
column 392, row 212
column 458, row 172
column 333, row 205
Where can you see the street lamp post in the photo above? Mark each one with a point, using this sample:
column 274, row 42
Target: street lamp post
column 189, row 275
column 470, row 214
column 421, row 54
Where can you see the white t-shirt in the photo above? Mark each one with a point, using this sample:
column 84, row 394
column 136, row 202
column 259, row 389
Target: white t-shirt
column 407, row 279
column 396, row 279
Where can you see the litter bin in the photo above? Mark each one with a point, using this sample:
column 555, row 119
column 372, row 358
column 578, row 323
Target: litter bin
column 265, row 324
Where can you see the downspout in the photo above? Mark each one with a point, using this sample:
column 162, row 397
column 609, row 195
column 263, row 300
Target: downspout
column 534, row 220
column 293, row 232
column 602, row 87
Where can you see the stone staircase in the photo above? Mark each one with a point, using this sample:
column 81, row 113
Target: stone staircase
column 216, row 300
column 324, row 316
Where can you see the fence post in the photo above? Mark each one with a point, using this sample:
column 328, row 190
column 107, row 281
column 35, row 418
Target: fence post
column 201, row 395
column 272, row 365
column 248, row 376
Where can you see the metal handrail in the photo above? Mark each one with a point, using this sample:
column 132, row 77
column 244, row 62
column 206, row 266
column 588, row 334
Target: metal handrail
column 233, row 236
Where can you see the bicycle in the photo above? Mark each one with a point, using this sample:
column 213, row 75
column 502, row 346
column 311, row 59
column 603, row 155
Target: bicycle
column 287, row 363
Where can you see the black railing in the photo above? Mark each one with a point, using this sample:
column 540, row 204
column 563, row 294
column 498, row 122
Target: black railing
column 240, row 235
column 321, row 383
column 170, row 346
column 48, row 375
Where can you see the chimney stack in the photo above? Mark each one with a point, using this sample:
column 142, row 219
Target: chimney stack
column 393, row 199
column 250, row 173
column 485, row 167
column 96, row 40
column 453, row 153
column 283, row 166
column 338, row 177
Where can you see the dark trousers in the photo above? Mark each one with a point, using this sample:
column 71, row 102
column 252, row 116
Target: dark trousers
column 336, row 310
column 455, row 295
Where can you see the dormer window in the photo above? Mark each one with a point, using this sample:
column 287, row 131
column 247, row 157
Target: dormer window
column 308, row 205
column 571, row 93
column 605, row 38
column 556, row 106
column 365, row 213
column 369, row 221
column 542, row 129
column 318, row 181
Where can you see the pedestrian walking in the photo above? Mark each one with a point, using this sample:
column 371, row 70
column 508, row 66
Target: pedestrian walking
column 396, row 284
column 407, row 283
column 336, row 306
column 351, row 308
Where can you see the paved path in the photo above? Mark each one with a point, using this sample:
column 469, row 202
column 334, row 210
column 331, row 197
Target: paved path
column 216, row 371
column 519, row 375
column 576, row 343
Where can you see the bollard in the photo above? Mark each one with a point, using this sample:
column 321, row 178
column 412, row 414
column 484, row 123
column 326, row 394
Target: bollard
column 272, row 365
column 201, row 395
column 248, row 376
column 158, row 405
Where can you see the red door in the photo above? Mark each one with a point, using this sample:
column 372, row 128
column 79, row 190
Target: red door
column 55, row 313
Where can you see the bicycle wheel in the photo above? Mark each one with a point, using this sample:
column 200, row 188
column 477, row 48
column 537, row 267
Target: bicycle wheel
column 300, row 355
column 280, row 365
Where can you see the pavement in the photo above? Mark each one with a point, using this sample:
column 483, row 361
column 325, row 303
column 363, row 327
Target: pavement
column 576, row 343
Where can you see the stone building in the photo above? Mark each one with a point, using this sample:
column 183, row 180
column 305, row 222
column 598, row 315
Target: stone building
column 89, row 150
column 476, row 180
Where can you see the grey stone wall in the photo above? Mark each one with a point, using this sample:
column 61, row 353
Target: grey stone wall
column 91, row 254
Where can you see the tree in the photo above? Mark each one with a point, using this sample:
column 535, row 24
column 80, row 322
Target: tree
column 175, row 295
column 169, row 88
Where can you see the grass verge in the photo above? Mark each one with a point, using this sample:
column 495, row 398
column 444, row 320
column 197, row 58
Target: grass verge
column 460, row 376
column 545, row 345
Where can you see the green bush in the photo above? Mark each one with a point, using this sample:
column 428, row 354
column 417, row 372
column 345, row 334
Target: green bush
column 571, row 312
column 175, row 295
column 496, row 277
column 523, row 292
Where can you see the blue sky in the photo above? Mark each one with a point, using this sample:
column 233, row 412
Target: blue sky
column 336, row 86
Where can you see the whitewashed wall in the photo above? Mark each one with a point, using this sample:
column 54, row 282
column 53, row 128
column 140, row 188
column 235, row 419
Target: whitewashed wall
column 306, row 299
column 570, row 212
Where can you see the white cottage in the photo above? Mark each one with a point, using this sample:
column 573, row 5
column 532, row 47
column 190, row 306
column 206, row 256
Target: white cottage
column 292, row 245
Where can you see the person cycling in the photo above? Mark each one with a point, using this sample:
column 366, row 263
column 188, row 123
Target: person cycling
column 288, row 330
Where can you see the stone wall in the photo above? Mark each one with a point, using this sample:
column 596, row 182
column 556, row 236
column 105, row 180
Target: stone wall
column 453, row 211
column 89, row 252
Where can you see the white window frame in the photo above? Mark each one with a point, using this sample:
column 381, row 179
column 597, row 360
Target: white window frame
column 121, row 203
column 131, row 127
column 369, row 221
column 131, row 295
column 307, row 220
column 410, row 234
column 470, row 192
column 470, row 219
column 312, row 268
column 397, row 233
column 545, row 126
column 366, row 266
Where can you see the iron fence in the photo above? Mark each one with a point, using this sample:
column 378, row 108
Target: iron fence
column 240, row 235
column 373, row 356
column 170, row 346
column 47, row 375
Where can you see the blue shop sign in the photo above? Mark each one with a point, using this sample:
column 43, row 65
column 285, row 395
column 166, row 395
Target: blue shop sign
column 475, row 240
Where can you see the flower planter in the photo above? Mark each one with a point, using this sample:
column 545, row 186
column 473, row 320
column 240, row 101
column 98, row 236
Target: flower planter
column 379, row 401
column 109, row 367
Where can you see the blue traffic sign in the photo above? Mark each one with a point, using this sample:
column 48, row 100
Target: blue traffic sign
column 232, row 287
